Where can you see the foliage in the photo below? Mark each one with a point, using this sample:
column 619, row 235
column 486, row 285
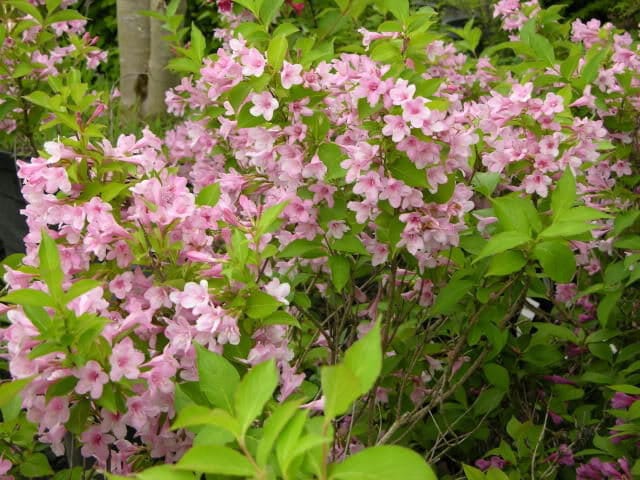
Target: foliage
column 433, row 245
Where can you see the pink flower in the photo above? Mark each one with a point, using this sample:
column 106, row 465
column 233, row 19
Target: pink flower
column 263, row 105
column 278, row 290
column 5, row 465
column 91, row 379
column 395, row 127
column 537, row 183
column 336, row 228
column 414, row 112
column 56, row 412
column 125, row 360
column 253, row 63
column 96, row 444
column 195, row 295
column 521, row 93
column 552, row 104
column 402, row 92
column 290, row 75
column 369, row 185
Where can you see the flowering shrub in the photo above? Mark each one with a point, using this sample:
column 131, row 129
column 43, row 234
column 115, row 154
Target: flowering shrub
column 432, row 248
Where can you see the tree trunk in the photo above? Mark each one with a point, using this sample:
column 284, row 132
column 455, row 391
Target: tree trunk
column 134, row 41
column 160, row 78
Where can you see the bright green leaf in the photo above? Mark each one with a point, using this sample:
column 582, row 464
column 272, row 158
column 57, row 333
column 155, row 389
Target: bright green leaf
column 218, row 378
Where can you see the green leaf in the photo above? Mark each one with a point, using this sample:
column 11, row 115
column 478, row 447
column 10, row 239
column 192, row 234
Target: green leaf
column 341, row 388
column 383, row 462
column 27, row 8
column 52, row 4
column 9, row 390
column 594, row 58
column 28, row 296
column 364, row 359
column 303, row 248
column 272, row 428
column 216, row 459
column 268, row 10
column 64, row 16
column 625, row 220
column 606, row 306
column 473, row 473
column 398, row 8
column 543, row 48
column 515, row 213
column 247, row 120
column 581, row 214
column 404, row 169
column 277, row 51
column 331, row 155
column 497, row 375
column 506, row 263
column 78, row 416
column 261, row 305
column 269, row 216
column 193, row 415
column 79, row 288
column 566, row 229
column 349, row 243
column 488, row 400
column 39, row 98
column 218, row 378
column 164, row 472
column 486, row 182
column 253, row 393
column 35, row 465
column 340, row 271
column 501, row 242
column 285, row 29
column 209, row 195
column 564, row 196
column 39, row 318
column 50, row 268
column 62, row 387
column 557, row 260
column 280, row 317
column 449, row 298
column 628, row 389
column 198, row 43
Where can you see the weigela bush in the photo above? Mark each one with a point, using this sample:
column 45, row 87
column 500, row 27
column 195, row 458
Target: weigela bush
column 476, row 214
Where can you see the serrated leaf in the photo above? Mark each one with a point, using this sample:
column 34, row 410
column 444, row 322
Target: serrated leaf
column 564, row 196
column 253, row 393
column 501, row 242
column 218, row 378
column 277, row 51
column 209, row 195
column 557, row 260
column 340, row 271
column 260, row 305
column 383, row 462
column 216, row 459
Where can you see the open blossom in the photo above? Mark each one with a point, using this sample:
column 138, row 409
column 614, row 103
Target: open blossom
column 253, row 63
column 195, row 295
column 278, row 290
column 263, row 105
column 537, row 183
column 91, row 379
column 125, row 361
column 291, row 75
column 95, row 443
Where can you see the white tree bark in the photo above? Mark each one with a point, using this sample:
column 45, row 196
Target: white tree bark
column 144, row 55
column 134, row 42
